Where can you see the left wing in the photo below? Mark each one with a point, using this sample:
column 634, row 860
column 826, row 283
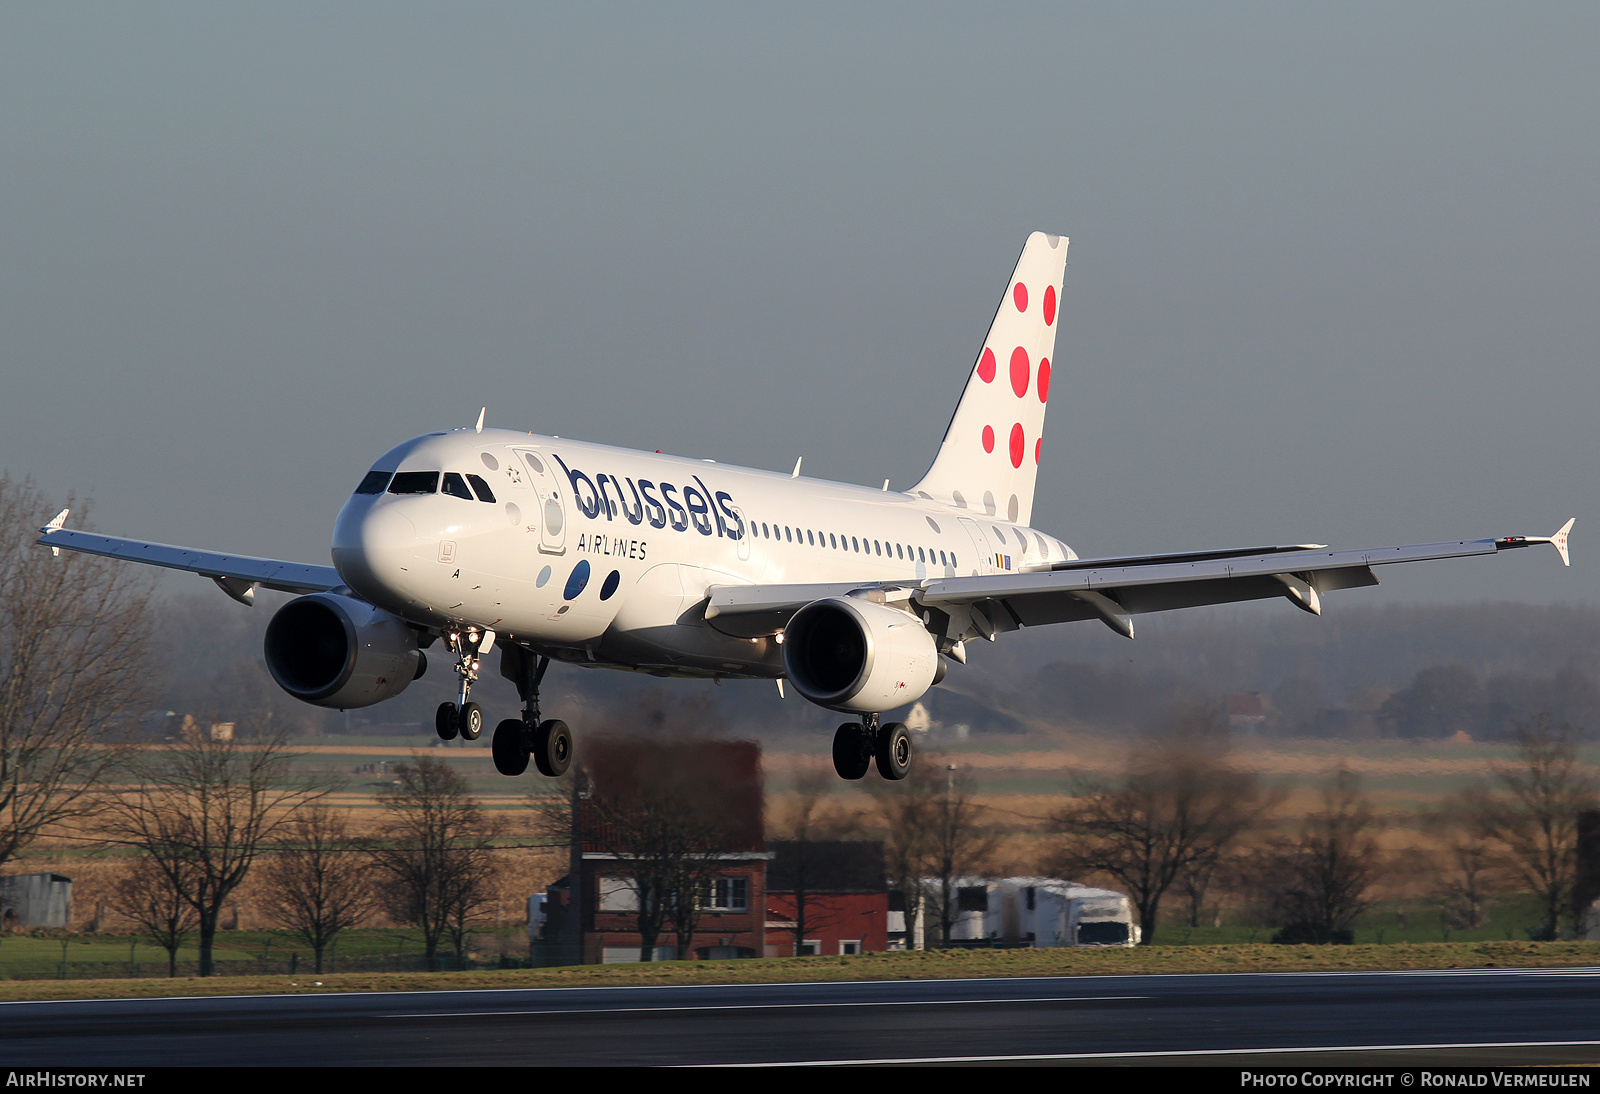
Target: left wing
column 236, row 575
column 1111, row 590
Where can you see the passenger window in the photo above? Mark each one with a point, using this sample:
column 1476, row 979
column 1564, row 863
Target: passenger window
column 898, row 553
column 878, row 547
column 787, row 535
column 374, row 482
column 920, row 556
column 942, row 562
column 415, row 482
column 810, row 541
column 484, row 493
column 456, row 487
column 855, row 544
column 764, row 533
column 832, row 542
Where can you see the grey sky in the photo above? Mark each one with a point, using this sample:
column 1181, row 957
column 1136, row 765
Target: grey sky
column 1333, row 268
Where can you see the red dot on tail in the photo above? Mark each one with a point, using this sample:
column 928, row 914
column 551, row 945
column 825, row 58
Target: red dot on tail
column 1019, row 296
column 1044, row 379
column 988, row 438
column 1019, row 371
column 1016, row 445
column 1049, row 305
column 1038, row 444
column 986, row 366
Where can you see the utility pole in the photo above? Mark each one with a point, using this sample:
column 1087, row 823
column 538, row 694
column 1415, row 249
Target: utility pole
column 575, row 882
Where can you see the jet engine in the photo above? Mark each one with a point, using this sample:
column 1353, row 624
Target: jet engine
column 853, row 655
column 336, row 651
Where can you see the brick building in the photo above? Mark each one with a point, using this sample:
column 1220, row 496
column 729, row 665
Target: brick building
column 841, row 887
column 656, row 816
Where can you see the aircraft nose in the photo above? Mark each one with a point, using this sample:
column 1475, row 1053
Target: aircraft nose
column 372, row 550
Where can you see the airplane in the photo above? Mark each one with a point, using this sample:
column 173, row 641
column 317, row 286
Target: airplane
column 860, row 598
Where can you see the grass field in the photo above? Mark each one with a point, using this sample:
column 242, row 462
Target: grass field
column 924, row 965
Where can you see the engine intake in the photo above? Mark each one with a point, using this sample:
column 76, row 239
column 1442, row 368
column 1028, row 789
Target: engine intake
column 340, row 652
column 853, row 655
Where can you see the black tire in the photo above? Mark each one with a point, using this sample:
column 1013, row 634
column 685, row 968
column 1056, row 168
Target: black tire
column 444, row 722
column 471, row 721
column 894, row 751
column 508, row 748
column 552, row 748
column 850, row 757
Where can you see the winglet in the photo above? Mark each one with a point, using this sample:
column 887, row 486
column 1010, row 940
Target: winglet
column 1558, row 541
column 55, row 525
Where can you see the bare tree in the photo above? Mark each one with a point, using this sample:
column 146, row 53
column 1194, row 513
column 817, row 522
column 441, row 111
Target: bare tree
column 1531, row 810
column 1468, row 869
column 670, row 813
column 1178, row 807
column 74, row 635
column 320, row 882
column 157, row 901
column 435, row 848
column 202, row 810
column 1466, row 882
column 808, row 859
column 906, row 809
column 958, row 840
column 1317, row 884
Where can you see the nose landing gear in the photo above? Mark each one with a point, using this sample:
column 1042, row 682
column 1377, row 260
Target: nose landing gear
column 463, row 718
column 857, row 744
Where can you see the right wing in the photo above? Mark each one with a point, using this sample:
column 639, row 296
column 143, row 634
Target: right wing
column 1112, row 590
column 236, row 575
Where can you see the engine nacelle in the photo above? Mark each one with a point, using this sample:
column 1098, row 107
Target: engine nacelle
column 336, row 651
column 852, row 655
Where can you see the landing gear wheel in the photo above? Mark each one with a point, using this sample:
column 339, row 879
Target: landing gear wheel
column 850, row 756
column 552, row 748
column 894, row 751
column 471, row 722
column 444, row 722
column 509, row 751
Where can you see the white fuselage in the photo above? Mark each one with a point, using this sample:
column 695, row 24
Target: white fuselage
column 604, row 555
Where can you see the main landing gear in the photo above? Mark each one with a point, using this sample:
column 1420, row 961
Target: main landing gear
column 857, row 744
column 516, row 740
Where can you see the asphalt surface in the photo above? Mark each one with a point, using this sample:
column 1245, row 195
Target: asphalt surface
column 1496, row 1017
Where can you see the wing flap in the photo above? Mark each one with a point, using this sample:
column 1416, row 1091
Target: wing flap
column 238, row 571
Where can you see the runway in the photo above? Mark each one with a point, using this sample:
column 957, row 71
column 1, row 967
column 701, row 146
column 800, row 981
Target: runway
column 1502, row 1017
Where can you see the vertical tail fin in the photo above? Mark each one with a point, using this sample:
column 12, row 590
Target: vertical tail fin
column 990, row 455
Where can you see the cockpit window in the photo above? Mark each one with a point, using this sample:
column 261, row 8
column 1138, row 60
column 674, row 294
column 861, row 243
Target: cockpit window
column 455, row 487
column 415, row 482
column 374, row 482
column 484, row 493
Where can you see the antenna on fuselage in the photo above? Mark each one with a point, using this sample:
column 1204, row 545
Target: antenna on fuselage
column 795, row 474
column 481, row 413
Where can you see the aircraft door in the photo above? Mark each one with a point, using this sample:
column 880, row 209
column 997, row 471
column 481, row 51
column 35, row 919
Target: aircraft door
column 982, row 553
column 744, row 540
column 552, row 509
